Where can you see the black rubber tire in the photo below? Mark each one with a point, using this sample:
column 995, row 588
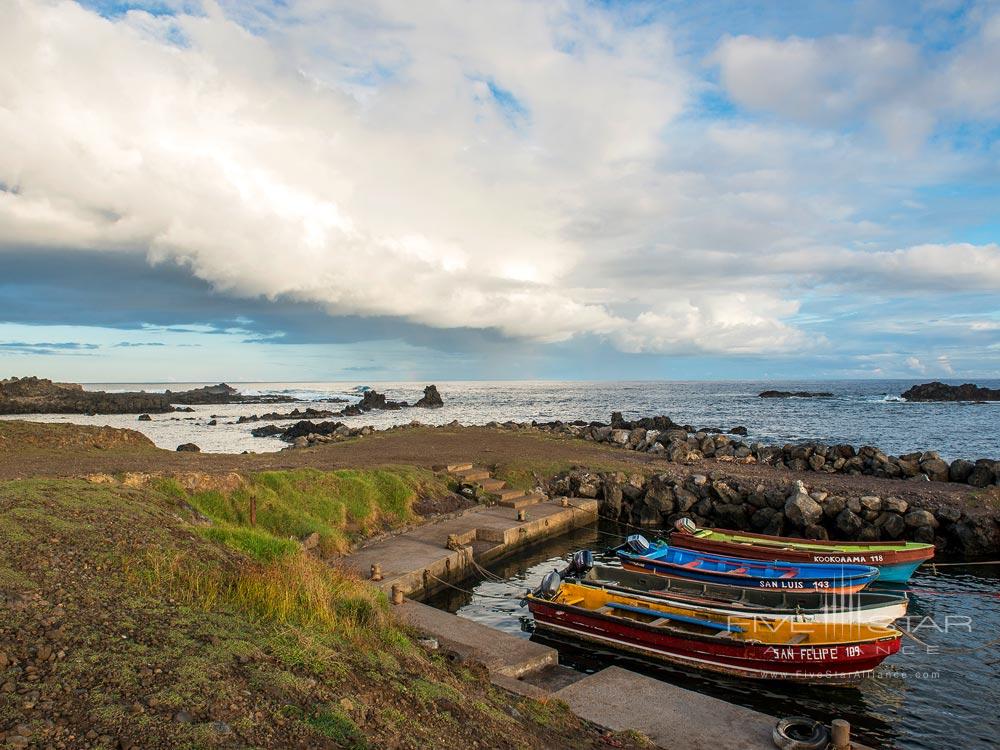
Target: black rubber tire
column 800, row 733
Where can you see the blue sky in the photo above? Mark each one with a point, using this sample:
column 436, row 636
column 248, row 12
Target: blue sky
column 592, row 190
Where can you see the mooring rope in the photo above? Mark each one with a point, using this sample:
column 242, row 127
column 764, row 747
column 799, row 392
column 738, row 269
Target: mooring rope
column 505, row 598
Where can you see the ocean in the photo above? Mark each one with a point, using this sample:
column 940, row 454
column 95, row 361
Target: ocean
column 861, row 412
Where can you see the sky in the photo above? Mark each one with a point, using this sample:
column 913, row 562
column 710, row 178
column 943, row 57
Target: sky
column 200, row 190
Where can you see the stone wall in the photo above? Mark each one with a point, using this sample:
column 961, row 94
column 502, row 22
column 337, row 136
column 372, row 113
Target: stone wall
column 790, row 509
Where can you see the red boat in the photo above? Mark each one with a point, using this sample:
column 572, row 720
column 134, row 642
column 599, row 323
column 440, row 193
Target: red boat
column 746, row 647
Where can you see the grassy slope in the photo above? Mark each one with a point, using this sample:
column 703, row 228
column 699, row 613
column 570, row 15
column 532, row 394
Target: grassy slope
column 126, row 623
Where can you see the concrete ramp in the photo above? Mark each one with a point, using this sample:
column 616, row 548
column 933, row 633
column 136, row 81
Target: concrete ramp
column 501, row 653
column 670, row 716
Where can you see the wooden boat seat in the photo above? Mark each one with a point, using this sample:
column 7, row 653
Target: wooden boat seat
column 571, row 602
column 692, row 564
column 797, row 638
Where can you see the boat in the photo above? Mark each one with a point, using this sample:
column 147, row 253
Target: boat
column 662, row 559
column 896, row 561
column 740, row 601
column 782, row 649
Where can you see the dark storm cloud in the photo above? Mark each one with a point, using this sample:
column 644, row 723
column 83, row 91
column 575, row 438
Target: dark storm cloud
column 119, row 290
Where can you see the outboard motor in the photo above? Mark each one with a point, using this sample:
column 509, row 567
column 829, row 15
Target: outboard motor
column 685, row 526
column 580, row 563
column 638, row 544
column 549, row 586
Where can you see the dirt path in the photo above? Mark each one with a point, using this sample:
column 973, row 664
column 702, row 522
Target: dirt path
column 32, row 450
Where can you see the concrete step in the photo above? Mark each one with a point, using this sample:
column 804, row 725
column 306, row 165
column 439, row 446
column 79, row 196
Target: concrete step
column 472, row 475
column 492, row 485
column 452, row 468
column 511, row 493
column 523, row 501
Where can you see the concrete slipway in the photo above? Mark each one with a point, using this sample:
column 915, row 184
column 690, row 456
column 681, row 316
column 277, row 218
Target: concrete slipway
column 420, row 561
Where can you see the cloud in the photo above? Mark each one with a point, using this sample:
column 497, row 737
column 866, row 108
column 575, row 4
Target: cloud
column 45, row 348
column 535, row 171
column 883, row 80
column 133, row 344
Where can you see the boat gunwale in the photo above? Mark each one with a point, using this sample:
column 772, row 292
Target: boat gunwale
column 817, row 542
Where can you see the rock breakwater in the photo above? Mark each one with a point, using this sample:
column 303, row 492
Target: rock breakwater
column 684, row 444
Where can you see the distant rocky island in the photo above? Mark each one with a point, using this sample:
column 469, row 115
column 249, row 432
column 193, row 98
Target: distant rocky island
column 938, row 391
column 795, row 394
column 33, row 395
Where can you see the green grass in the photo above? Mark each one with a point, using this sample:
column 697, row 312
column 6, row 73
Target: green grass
column 340, row 506
column 339, row 727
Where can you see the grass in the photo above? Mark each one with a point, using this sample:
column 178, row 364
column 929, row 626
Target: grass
column 524, row 474
column 158, row 613
column 339, row 506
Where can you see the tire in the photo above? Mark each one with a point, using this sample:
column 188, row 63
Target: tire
column 800, row 733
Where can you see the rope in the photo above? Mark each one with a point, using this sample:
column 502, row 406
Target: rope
column 472, row 593
column 963, row 564
column 620, row 522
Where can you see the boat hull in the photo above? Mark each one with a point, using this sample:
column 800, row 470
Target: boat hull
column 895, row 565
column 825, row 585
column 841, row 663
column 730, row 601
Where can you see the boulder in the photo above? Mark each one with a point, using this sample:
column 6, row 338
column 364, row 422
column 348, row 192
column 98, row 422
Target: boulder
column 761, row 518
column 935, row 469
column 895, row 504
column 731, row 516
column 849, row 523
column 869, row 533
column 917, row 518
column 802, row 510
column 611, row 503
column 431, row 398
column 145, row 418
column 815, row 531
column 892, row 525
column 188, row 448
column 960, row 470
column 870, row 502
column 684, row 498
column 660, row 494
column 948, row 514
column 619, row 437
column 833, row 506
column 983, row 474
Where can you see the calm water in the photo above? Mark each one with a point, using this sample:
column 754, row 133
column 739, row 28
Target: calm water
column 861, row 412
column 918, row 699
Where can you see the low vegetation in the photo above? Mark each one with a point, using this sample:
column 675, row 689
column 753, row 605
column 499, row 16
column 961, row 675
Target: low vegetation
column 150, row 616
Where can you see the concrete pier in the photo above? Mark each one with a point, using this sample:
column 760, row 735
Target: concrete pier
column 418, row 560
column 424, row 559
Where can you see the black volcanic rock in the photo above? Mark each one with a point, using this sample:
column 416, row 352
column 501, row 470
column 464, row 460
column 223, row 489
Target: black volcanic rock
column 938, row 391
column 41, row 396
column 300, row 414
column 299, row 429
column 795, row 394
column 431, row 398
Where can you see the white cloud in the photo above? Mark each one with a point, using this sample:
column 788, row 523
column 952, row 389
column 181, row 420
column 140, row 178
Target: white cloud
column 882, row 79
column 524, row 167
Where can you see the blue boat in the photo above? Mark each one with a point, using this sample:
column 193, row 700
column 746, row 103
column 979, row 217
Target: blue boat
column 674, row 562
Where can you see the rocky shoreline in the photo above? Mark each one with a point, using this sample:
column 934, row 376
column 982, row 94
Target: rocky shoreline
column 33, row 395
column 305, row 432
column 684, row 444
